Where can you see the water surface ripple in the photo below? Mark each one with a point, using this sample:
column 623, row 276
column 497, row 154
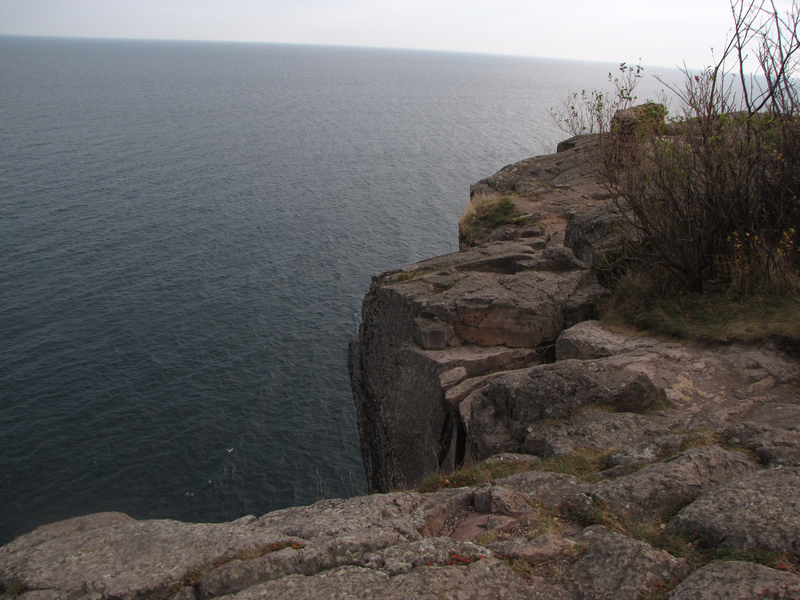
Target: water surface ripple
column 187, row 231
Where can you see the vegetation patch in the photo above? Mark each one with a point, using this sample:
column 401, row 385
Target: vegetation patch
column 484, row 213
column 474, row 475
column 709, row 317
column 692, row 547
column 403, row 277
column 710, row 243
column 13, row 590
column 582, row 463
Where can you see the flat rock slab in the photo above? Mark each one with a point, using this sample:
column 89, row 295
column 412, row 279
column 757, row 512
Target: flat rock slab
column 402, row 558
column 539, row 549
column 737, row 581
column 481, row 580
column 619, row 568
column 478, row 524
column 661, row 488
column 111, row 555
column 594, row 428
column 589, row 340
column 713, row 386
column 760, row 511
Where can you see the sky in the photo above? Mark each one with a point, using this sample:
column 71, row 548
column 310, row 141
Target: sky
column 634, row 31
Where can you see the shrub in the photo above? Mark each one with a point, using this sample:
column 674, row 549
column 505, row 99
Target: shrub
column 712, row 196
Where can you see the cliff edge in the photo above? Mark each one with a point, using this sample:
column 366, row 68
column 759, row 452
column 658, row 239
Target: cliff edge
column 591, row 464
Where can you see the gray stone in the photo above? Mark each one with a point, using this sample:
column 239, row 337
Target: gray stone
column 44, row 595
column 111, row 555
column 510, row 457
column 661, row 488
column 772, row 432
column 595, row 232
column 772, row 445
column 619, row 568
column 646, row 451
column 541, row 548
column 549, row 489
column 588, row 340
column 597, row 429
column 759, row 511
column 439, row 551
column 496, row 416
column 483, row 579
column 499, row 308
column 477, row 524
column 737, row 581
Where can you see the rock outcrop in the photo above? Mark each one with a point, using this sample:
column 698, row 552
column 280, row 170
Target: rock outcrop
column 491, row 355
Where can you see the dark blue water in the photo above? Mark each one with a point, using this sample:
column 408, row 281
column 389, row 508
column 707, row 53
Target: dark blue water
column 186, row 233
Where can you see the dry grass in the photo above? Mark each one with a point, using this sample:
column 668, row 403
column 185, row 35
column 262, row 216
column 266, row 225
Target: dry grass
column 403, row 277
column 485, row 212
column 582, row 463
column 474, row 475
column 709, row 317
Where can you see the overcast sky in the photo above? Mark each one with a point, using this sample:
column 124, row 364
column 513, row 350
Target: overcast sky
column 663, row 33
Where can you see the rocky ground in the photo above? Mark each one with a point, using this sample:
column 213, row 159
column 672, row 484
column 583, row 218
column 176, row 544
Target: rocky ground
column 615, row 466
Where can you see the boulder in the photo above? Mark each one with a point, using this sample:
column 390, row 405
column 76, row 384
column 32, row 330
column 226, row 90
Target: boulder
column 496, row 417
column 772, row 432
column 594, row 233
column 660, row 489
column 737, row 581
column 759, row 511
column 549, row 489
column 620, row 568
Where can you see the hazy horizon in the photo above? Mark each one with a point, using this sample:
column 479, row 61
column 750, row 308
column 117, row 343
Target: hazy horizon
column 617, row 31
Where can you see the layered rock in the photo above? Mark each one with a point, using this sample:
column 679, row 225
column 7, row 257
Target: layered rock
column 491, row 354
column 434, row 325
column 493, row 350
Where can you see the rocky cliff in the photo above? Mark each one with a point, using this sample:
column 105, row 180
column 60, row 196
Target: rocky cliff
column 620, row 467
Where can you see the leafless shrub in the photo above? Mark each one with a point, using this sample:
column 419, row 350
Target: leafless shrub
column 713, row 197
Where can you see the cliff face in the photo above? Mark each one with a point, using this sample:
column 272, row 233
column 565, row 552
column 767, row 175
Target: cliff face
column 433, row 331
column 491, row 355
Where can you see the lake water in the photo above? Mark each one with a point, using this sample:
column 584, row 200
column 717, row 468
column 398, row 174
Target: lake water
column 187, row 231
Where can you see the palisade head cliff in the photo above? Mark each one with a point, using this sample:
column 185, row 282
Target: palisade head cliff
column 491, row 356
